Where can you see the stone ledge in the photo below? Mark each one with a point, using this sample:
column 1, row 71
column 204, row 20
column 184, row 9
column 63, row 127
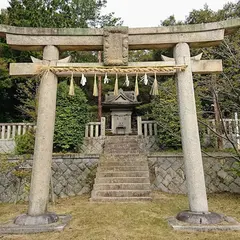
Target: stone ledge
column 229, row 224
column 229, row 25
column 11, row 228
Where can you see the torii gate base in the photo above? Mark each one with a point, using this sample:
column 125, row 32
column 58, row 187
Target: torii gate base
column 115, row 42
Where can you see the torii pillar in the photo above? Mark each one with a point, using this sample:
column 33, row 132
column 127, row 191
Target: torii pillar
column 42, row 160
column 196, row 189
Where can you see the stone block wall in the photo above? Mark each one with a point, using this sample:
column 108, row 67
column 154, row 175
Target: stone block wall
column 74, row 175
column 167, row 173
column 94, row 145
column 71, row 174
column 7, row 145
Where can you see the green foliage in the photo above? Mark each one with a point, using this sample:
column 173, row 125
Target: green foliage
column 202, row 16
column 25, row 143
column 72, row 114
column 170, row 21
column 14, row 105
column 45, row 13
column 164, row 109
column 28, row 94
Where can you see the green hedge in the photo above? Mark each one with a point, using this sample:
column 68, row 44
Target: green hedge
column 71, row 116
column 72, row 113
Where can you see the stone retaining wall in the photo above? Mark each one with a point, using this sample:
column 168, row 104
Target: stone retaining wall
column 74, row 175
column 167, row 173
column 7, row 145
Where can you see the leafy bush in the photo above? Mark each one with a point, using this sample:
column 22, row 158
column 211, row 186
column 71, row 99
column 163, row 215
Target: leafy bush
column 165, row 112
column 164, row 109
column 25, row 143
column 72, row 114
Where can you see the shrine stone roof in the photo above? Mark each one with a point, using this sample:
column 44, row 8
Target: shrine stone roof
column 124, row 98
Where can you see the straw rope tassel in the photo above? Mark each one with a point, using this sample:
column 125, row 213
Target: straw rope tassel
column 136, row 86
column 95, row 88
column 71, row 88
column 154, row 89
column 116, row 86
column 127, row 81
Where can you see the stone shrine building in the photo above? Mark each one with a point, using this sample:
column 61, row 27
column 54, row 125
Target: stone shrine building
column 121, row 107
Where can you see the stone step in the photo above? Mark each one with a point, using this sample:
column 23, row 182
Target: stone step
column 123, row 174
column 123, row 163
column 117, row 152
column 120, row 193
column 123, row 144
column 101, row 180
column 120, row 199
column 121, row 138
column 123, row 156
column 121, row 168
column 122, row 150
column 122, row 186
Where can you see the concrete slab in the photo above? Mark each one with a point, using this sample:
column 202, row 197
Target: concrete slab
column 229, row 224
column 11, row 228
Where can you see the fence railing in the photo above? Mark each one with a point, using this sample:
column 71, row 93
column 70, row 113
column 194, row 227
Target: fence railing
column 95, row 129
column 230, row 125
column 146, row 128
column 8, row 131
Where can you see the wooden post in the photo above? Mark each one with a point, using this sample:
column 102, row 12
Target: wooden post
column 217, row 113
column 99, row 89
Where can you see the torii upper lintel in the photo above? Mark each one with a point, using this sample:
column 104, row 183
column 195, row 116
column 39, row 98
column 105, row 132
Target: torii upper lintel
column 196, row 35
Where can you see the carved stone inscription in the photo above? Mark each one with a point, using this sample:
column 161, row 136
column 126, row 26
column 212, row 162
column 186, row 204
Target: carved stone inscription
column 116, row 46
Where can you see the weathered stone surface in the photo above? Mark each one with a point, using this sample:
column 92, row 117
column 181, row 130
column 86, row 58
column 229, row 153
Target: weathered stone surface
column 115, row 46
column 7, row 146
column 67, row 180
column 12, row 228
column 41, row 170
column 93, row 145
column 217, row 175
column 197, row 35
column 80, row 180
column 135, row 167
column 189, row 131
column 228, row 224
column 203, row 66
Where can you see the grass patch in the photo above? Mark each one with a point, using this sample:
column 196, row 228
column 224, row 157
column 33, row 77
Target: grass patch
column 126, row 221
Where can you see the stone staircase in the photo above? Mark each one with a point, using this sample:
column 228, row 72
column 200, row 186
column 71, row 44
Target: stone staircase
column 124, row 144
column 122, row 174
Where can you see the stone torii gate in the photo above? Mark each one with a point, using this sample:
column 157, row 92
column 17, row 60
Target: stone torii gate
column 116, row 43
